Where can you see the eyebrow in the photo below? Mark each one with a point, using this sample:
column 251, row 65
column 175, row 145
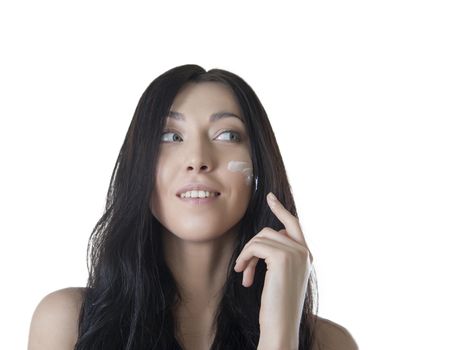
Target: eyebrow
column 214, row 117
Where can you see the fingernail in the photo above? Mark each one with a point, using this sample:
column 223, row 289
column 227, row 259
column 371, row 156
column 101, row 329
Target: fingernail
column 272, row 197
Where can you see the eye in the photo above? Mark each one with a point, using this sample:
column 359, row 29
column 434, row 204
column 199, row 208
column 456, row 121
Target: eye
column 237, row 135
column 170, row 138
column 235, row 138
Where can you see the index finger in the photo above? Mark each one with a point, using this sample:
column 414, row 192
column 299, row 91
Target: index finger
column 290, row 221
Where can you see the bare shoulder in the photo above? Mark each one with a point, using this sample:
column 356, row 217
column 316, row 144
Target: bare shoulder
column 332, row 336
column 54, row 323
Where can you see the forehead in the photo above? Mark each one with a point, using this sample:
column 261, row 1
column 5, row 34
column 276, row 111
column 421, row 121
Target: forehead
column 207, row 99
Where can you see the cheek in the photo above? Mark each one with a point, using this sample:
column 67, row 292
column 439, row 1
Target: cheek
column 243, row 169
column 163, row 174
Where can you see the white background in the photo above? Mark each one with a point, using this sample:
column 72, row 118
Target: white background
column 368, row 103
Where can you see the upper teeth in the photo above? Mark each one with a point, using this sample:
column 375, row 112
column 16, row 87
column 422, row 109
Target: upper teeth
column 197, row 194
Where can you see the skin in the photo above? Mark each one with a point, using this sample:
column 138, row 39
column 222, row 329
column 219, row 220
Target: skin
column 199, row 240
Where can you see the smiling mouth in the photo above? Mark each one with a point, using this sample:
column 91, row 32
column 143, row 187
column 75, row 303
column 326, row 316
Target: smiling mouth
column 199, row 200
column 180, row 196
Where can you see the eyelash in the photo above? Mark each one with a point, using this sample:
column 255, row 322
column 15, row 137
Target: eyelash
column 239, row 138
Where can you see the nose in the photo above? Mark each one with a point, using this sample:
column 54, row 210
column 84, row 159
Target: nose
column 199, row 158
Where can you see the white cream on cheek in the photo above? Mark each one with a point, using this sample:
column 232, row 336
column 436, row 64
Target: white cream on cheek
column 244, row 168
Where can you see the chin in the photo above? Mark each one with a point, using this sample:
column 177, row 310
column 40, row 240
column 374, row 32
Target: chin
column 200, row 233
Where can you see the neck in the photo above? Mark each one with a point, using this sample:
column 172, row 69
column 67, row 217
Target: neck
column 199, row 267
column 200, row 271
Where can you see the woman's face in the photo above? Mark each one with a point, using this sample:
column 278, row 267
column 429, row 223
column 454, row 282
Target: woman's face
column 197, row 148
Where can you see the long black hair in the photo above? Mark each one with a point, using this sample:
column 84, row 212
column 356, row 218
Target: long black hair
column 130, row 293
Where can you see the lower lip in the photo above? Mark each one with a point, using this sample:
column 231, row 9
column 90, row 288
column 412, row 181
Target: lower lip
column 199, row 201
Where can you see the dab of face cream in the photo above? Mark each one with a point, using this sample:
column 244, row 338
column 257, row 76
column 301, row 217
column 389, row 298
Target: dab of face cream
column 242, row 167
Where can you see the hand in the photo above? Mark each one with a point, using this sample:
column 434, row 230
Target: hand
column 288, row 261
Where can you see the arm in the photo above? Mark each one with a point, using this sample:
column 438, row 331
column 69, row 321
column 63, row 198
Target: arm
column 54, row 324
column 332, row 336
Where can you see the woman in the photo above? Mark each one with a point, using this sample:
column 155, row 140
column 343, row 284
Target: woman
column 191, row 251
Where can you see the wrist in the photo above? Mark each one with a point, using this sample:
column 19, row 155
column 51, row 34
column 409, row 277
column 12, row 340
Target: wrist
column 278, row 340
column 263, row 345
